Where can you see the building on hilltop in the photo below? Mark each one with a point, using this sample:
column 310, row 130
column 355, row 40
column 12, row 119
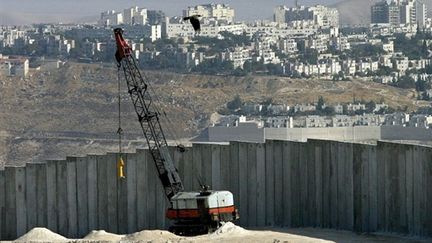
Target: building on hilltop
column 218, row 12
column 321, row 16
column 14, row 66
column 398, row 12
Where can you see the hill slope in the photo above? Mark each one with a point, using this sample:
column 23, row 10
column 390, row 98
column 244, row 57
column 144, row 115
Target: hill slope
column 77, row 105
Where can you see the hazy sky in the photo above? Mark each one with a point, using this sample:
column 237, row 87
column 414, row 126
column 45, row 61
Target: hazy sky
column 21, row 11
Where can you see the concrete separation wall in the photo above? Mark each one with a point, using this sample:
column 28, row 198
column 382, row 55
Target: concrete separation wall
column 364, row 188
column 252, row 133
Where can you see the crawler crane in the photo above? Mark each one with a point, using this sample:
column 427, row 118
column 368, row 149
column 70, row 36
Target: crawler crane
column 194, row 212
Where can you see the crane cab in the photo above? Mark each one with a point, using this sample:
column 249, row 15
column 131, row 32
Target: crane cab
column 200, row 212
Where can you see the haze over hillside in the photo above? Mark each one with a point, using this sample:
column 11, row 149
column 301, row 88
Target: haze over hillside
column 358, row 11
column 25, row 12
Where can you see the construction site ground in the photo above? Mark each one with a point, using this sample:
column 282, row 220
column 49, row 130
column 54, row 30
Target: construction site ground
column 227, row 233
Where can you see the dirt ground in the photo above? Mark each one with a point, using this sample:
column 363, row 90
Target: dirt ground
column 227, row 233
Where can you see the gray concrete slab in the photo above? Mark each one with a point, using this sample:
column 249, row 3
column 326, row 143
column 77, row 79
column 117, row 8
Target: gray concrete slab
column 287, row 160
column 357, row 176
column 10, row 232
column 243, row 193
column 131, row 178
column 342, row 221
column 187, row 164
column 278, row 178
column 409, row 168
column 401, row 189
column 381, row 190
column 225, row 167
column 269, row 180
column 206, row 169
column 373, row 187
column 349, row 184
column 51, row 185
column 122, row 198
column 153, row 182
column 261, row 186
column 318, row 184
column 41, row 195
column 234, row 185
column 31, row 195
column 295, row 185
column 2, row 204
column 102, row 192
column 92, row 192
column 334, row 183
column 252, row 184
column 303, row 185
column 197, row 166
column 62, row 197
column 326, row 191
column 82, row 196
column 216, row 167
column 72, row 206
column 142, row 189
column 364, row 184
column 111, row 167
column 21, row 209
column 311, row 185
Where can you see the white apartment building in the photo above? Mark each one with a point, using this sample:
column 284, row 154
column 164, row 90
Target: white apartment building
column 14, row 66
column 110, row 18
column 288, row 46
column 320, row 15
column 177, row 28
column 239, row 56
column 135, row 15
column 218, row 12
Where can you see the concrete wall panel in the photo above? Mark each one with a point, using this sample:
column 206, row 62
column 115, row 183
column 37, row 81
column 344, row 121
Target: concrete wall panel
column 31, row 195
column 122, row 197
column 295, row 184
column 261, row 186
column 92, row 192
column 72, row 206
column 243, row 188
column 287, row 161
column 373, row 189
column 334, row 206
column 252, row 184
column 2, row 204
column 234, row 186
column 131, row 197
column 270, row 182
column 216, row 167
column 142, row 190
column 278, row 175
column 51, row 193
column 82, row 196
column 102, row 192
column 112, row 216
column 41, row 195
column 62, row 197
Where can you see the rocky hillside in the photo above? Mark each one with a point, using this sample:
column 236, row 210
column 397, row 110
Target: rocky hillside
column 78, row 103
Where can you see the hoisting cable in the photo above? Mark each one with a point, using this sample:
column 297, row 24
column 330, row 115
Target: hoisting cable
column 120, row 162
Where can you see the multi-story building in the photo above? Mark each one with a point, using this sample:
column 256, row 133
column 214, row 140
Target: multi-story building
column 219, row 12
column 320, row 15
column 396, row 12
column 14, row 66
column 238, row 56
column 109, row 18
